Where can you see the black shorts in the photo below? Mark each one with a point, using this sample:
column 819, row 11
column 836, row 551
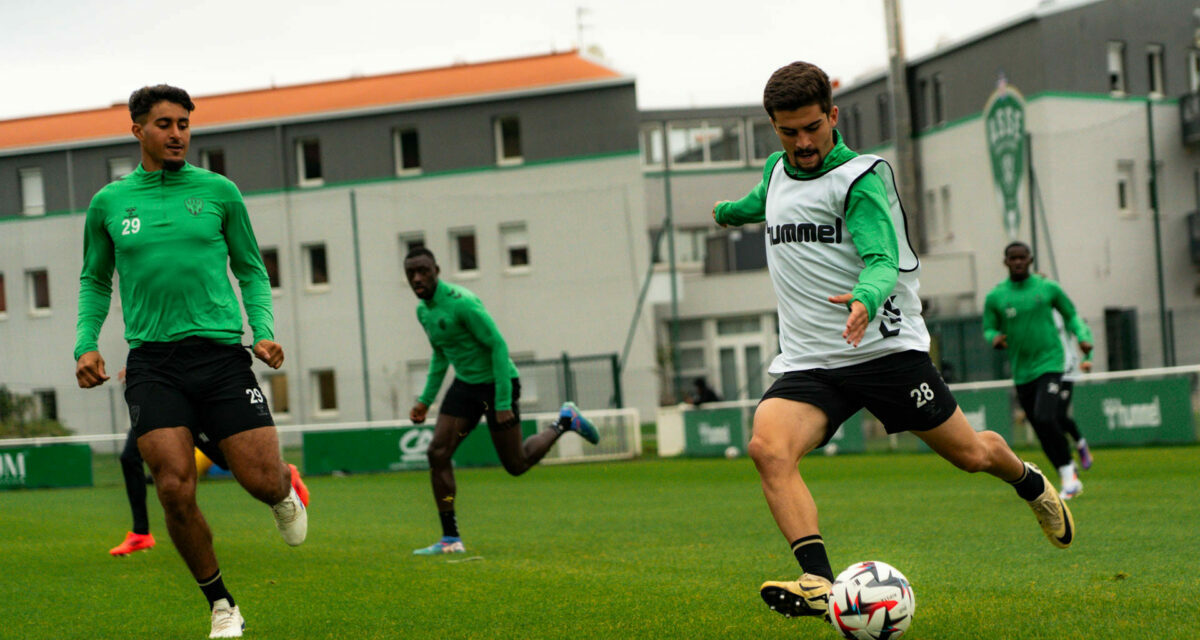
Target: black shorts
column 903, row 390
column 195, row 383
column 472, row 401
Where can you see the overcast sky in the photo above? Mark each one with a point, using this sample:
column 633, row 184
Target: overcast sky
column 67, row 55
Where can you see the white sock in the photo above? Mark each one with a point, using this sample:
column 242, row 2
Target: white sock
column 1067, row 474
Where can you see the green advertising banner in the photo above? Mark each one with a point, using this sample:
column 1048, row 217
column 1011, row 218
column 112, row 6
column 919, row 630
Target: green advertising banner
column 849, row 438
column 1133, row 412
column 988, row 410
column 709, row 432
column 56, row 465
column 1004, row 123
column 393, row 449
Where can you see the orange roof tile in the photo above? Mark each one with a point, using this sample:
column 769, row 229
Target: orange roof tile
column 319, row 97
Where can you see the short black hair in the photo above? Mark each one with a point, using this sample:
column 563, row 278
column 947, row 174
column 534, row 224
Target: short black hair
column 417, row 252
column 1016, row 243
column 795, row 86
column 144, row 99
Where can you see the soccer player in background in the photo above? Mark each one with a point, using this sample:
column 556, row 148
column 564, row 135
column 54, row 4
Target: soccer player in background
column 850, row 333
column 172, row 231
column 1075, row 364
column 463, row 334
column 1018, row 315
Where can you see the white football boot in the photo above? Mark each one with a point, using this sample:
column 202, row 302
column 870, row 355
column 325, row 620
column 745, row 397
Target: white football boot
column 291, row 518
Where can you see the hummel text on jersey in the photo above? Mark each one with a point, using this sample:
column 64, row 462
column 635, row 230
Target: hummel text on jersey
column 806, row 232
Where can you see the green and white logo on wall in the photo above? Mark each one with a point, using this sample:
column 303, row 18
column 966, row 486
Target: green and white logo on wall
column 1004, row 122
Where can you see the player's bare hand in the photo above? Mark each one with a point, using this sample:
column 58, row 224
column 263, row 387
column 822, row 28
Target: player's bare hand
column 269, row 352
column 1085, row 347
column 714, row 213
column 856, row 324
column 506, row 418
column 89, row 370
column 1000, row 342
column 1085, row 366
column 418, row 412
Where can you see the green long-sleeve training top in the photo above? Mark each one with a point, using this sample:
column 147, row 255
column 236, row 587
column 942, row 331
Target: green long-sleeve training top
column 172, row 237
column 1022, row 311
column 463, row 334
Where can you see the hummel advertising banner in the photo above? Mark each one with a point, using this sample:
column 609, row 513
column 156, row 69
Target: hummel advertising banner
column 1133, row 412
column 393, row 449
column 56, row 465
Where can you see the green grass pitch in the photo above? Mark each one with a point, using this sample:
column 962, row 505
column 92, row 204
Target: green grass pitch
column 641, row 549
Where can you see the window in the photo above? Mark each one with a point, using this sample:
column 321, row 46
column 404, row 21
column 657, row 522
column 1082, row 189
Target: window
column 463, row 243
column 939, row 99
column 705, row 142
column 763, row 141
column 276, row 388
column 1116, row 68
column 308, row 163
column 410, row 241
column 885, row 117
column 119, row 168
column 213, row 160
column 515, row 239
column 1154, row 64
column 1125, row 188
column 932, row 222
column 270, row 258
column 507, row 131
column 3, row 298
column 325, row 384
column 317, row 267
column 923, row 100
column 33, row 195
column 650, row 138
column 407, row 151
column 741, row 324
column 39, row 290
column 47, row 403
column 690, row 246
column 1194, row 71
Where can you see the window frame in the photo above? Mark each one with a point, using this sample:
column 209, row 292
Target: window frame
column 206, row 156
column 309, row 272
column 302, row 164
column 1118, row 76
column 3, row 298
column 685, row 126
column 318, row 396
column 1156, row 77
column 498, row 139
column 509, row 231
column 398, row 149
column 31, row 283
column 456, row 251
column 113, row 163
column 37, row 209
column 277, row 286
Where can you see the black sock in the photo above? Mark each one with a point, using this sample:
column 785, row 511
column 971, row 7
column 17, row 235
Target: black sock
column 449, row 524
column 1030, row 485
column 810, row 553
column 560, row 425
column 214, row 589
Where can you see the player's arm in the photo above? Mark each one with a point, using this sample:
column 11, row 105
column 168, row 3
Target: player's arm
column 1083, row 334
column 479, row 322
column 991, row 323
column 95, row 295
column 245, row 261
column 438, row 365
column 869, row 222
column 752, row 208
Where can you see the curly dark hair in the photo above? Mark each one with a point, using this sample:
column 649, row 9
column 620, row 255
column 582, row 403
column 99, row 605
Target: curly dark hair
column 797, row 85
column 417, row 252
column 144, row 99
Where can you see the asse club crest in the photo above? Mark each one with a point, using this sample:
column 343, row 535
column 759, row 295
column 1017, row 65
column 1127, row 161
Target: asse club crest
column 194, row 205
column 1004, row 123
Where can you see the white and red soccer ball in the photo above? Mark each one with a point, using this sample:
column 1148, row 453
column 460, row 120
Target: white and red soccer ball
column 871, row 601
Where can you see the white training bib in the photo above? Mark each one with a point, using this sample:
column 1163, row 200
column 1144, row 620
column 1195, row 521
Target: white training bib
column 811, row 256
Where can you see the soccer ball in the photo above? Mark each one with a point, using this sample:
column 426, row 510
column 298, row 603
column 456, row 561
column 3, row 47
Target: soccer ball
column 732, row 452
column 871, row 601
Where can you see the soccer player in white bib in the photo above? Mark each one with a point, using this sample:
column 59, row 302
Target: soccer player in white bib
column 850, row 329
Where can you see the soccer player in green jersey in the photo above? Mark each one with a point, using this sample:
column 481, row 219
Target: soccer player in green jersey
column 1018, row 315
column 463, row 334
column 172, row 232
column 850, row 329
